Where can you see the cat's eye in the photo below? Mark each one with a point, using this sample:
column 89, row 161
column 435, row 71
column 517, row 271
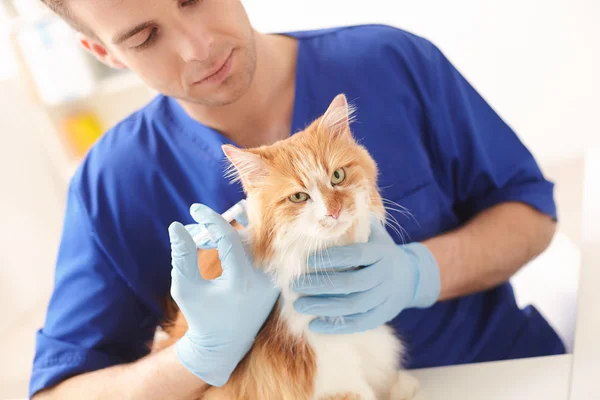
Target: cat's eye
column 298, row 197
column 338, row 176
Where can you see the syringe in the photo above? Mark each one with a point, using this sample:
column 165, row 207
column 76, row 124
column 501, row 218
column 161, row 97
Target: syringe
column 229, row 215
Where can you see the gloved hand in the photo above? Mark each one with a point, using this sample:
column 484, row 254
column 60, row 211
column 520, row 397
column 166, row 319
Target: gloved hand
column 207, row 243
column 394, row 277
column 225, row 314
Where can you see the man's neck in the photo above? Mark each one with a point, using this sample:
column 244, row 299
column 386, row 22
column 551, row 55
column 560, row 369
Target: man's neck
column 263, row 114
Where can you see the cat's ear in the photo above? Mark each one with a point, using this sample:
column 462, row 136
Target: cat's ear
column 245, row 166
column 338, row 117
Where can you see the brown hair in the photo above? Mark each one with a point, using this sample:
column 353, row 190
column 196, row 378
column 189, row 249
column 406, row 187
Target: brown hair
column 62, row 10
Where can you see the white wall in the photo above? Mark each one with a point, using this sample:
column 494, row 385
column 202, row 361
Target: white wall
column 536, row 62
column 30, row 209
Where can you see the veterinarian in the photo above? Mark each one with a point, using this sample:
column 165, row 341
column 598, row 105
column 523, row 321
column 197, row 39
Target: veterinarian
column 480, row 207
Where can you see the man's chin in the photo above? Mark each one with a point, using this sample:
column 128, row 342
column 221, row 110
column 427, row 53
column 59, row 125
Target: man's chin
column 228, row 92
column 217, row 98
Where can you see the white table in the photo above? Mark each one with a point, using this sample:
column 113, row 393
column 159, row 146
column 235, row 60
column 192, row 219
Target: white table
column 544, row 378
column 585, row 383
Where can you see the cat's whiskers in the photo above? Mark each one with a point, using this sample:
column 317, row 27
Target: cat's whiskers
column 293, row 247
column 326, row 270
column 310, row 243
column 318, row 267
column 401, row 212
column 392, row 205
column 391, row 221
column 311, row 250
column 316, row 251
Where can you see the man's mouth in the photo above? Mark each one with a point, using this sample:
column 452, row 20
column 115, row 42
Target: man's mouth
column 218, row 74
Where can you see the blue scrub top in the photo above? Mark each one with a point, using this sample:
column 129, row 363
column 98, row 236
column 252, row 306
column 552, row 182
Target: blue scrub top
column 443, row 153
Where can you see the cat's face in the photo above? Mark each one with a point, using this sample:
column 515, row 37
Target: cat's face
column 311, row 188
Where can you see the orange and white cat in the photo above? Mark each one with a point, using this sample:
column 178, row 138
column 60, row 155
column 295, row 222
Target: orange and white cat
column 293, row 188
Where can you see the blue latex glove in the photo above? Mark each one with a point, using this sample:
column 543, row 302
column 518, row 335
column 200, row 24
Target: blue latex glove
column 394, row 277
column 207, row 243
column 225, row 314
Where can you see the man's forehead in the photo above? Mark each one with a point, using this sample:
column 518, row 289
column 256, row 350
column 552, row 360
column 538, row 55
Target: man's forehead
column 103, row 4
column 106, row 17
column 100, row 7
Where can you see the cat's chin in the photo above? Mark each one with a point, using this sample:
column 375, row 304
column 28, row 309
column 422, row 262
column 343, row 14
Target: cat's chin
column 334, row 230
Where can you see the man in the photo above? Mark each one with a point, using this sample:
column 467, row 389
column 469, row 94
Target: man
column 480, row 206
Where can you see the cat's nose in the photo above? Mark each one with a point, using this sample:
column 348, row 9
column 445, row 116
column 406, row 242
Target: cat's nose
column 334, row 212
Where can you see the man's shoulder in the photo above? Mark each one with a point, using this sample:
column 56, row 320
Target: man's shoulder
column 354, row 31
column 373, row 40
column 122, row 154
column 128, row 139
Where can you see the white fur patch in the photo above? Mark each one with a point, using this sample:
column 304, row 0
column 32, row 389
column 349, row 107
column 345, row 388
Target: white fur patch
column 364, row 363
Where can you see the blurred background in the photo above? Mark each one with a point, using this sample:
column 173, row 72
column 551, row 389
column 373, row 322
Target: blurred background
column 536, row 62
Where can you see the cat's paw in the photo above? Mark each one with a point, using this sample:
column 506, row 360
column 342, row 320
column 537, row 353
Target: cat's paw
column 405, row 388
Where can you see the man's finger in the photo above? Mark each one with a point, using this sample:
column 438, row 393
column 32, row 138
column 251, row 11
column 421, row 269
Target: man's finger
column 338, row 306
column 242, row 219
column 206, row 216
column 195, row 229
column 347, row 325
column 344, row 257
column 184, row 256
column 228, row 242
column 379, row 232
column 324, row 283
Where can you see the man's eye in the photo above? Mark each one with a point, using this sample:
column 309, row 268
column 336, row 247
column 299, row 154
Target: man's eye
column 189, row 3
column 151, row 37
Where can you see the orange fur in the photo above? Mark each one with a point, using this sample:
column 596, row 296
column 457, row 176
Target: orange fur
column 344, row 396
column 289, row 164
column 277, row 367
column 280, row 366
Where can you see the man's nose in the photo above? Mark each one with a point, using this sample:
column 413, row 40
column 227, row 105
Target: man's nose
column 195, row 44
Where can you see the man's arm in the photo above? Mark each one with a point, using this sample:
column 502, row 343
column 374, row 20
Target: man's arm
column 485, row 175
column 483, row 253
column 489, row 249
column 157, row 376
column 223, row 319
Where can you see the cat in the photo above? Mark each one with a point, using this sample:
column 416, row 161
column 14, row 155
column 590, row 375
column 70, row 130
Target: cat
column 311, row 191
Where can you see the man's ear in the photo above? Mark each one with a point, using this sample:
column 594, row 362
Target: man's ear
column 98, row 50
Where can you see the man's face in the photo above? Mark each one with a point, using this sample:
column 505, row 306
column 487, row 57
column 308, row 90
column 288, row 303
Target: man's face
column 201, row 51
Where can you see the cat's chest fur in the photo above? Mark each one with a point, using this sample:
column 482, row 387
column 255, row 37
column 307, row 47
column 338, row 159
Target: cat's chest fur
column 362, row 363
column 290, row 262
